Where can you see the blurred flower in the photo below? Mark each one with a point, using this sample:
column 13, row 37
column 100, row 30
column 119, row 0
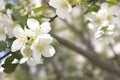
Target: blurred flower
column 105, row 20
column 63, row 8
column 105, row 30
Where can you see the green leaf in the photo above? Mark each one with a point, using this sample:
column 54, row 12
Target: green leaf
column 3, row 45
column 9, row 60
column 20, row 19
column 41, row 8
column 9, row 68
column 8, row 6
column 17, row 55
column 111, row 2
column 93, row 8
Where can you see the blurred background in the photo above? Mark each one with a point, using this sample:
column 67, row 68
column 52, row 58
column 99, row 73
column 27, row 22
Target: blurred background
column 79, row 56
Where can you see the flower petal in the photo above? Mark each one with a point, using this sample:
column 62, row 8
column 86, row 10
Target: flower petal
column 32, row 24
column 45, row 38
column 17, row 45
column 49, row 51
column 45, row 27
column 18, row 31
column 54, row 3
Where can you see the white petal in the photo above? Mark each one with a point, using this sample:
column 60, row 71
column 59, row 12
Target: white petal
column 33, row 24
column 49, row 51
column 32, row 62
column 69, row 8
column 54, row 3
column 45, row 27
column 17, row 45
column 45, row 38
column 18, row 31
column 36, row 53
column 23, row 60
column 29, row 32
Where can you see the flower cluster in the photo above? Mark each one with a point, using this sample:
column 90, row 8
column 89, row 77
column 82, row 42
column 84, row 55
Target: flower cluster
column 33, row 42
column 105, row 20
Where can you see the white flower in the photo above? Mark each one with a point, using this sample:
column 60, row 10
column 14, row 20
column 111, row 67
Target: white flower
column 8, row 24
column 37, row 28
column 63, row 8
column 41, row 46
column 19, row 33
column 110, row 13
column 105, row 30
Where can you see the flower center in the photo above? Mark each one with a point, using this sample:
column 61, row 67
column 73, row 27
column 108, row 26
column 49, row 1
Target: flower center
column 30, row 39
column 38, row 30
column 98, row 19
column 27, row 51
column 109, row 16
column 104, row 29
column 40, row 47
column 63, row 4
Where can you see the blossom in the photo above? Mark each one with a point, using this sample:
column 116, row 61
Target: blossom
column 105, row 30
column 63, row 8
column 41, row 46
column 19, row 33
column 37, row 28
column 8, row 24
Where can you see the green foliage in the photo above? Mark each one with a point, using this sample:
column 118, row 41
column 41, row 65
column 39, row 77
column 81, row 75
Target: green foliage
column 111, row 2
column 9, row 60
column 9, row 68
column 3, row 45
column 41, row 8
column 20, row 19
column 92, row 7
column 8, row 6
column 74, row 2
column 17, row 55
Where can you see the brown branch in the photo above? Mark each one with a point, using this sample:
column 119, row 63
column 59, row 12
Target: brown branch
column 94, row 59
column 53, row 18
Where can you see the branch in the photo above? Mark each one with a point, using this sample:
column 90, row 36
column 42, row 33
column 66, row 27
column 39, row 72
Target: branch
column 94, row 59
column 53, row 18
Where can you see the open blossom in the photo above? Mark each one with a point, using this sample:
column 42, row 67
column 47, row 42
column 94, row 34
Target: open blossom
column 63, row 8
column 41, row 46
column 37, row 28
